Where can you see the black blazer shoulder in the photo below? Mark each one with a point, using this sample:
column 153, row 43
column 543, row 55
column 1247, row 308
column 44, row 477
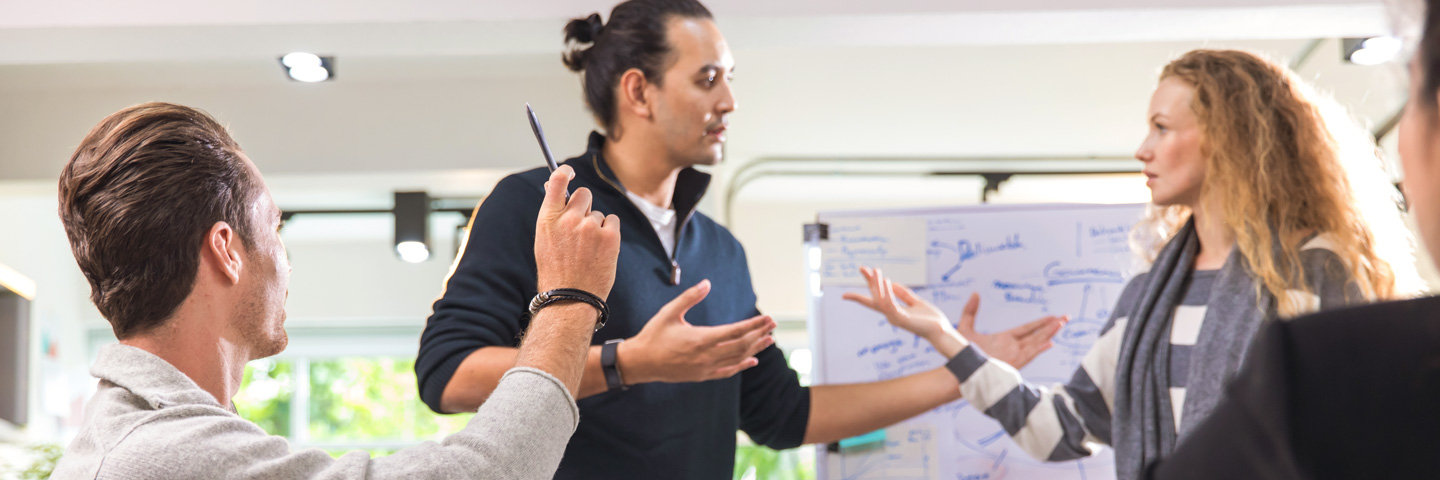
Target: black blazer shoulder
column 1348, row 393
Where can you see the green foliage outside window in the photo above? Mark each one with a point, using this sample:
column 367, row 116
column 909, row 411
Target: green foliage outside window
column 46, row 456
column 762, row 463
column 352, row 400
column 372, row 399
column 265, row 393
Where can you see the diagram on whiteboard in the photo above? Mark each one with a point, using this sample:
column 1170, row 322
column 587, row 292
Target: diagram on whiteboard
column 1025, row 262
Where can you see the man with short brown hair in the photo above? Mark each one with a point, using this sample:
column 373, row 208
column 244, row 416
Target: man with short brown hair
column 176, row 232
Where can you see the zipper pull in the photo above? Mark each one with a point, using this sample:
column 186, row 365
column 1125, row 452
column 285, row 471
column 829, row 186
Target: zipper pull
column 674, row 273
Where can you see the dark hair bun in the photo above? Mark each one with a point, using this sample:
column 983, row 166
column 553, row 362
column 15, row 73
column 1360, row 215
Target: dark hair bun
column 581, row 31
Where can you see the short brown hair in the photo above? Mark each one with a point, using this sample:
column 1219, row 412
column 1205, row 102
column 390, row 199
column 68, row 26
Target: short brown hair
column 137, row 198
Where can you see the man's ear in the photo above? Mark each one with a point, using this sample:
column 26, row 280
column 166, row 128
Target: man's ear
column 222, row 249
column 632, row 95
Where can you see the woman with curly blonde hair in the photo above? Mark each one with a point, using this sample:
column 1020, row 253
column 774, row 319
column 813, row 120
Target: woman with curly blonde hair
column 1256, row 186
column 1349, row 393
column 1280, row 167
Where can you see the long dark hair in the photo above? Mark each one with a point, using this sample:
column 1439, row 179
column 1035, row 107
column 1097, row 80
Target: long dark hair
column 634, row 38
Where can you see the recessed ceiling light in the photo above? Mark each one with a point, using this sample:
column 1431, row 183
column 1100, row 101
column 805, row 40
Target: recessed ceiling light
column 412, row 251
column 1371, row 51
column 307, row 67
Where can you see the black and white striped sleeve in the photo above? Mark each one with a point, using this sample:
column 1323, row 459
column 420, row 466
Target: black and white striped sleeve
column 1061, row 422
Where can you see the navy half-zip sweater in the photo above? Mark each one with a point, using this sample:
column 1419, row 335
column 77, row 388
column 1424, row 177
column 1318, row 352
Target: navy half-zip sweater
column 653, row 430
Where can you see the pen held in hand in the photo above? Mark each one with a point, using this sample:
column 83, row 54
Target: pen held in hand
column 544, row 146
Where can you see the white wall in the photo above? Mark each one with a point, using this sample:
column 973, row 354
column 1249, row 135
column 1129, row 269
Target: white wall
column 34, row 244
column 462, row 112
column 359, row 281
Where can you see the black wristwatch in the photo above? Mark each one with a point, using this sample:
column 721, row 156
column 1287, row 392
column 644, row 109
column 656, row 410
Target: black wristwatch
column 613, row 380
column 559, row 295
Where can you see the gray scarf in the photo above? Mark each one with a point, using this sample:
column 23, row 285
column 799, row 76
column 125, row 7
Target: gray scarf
column 1144, row 423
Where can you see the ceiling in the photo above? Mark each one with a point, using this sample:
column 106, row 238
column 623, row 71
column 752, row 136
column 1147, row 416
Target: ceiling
column 90, row 31
column 106, row 13
column 436, row 85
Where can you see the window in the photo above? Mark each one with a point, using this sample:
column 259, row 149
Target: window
column 342, row 404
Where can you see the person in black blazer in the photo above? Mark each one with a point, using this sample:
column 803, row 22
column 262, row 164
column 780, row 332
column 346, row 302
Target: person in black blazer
column 1352, row 393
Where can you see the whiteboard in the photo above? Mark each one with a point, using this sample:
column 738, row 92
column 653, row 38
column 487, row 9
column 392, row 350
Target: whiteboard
column 1025, row 261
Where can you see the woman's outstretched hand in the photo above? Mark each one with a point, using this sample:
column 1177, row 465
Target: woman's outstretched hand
column 903, row 309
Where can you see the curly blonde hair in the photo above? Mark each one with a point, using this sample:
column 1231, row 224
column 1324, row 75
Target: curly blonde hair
column 1281, row 163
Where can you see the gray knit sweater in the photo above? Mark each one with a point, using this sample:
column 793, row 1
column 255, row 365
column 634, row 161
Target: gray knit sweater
column 149, row 420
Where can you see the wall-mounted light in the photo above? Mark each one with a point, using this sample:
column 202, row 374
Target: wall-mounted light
column 308, row 67
column 412, row 220
column 1370, row 51
column 412, row 226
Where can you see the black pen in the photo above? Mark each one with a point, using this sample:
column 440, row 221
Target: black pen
column 544, row 146
column 540, row 135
